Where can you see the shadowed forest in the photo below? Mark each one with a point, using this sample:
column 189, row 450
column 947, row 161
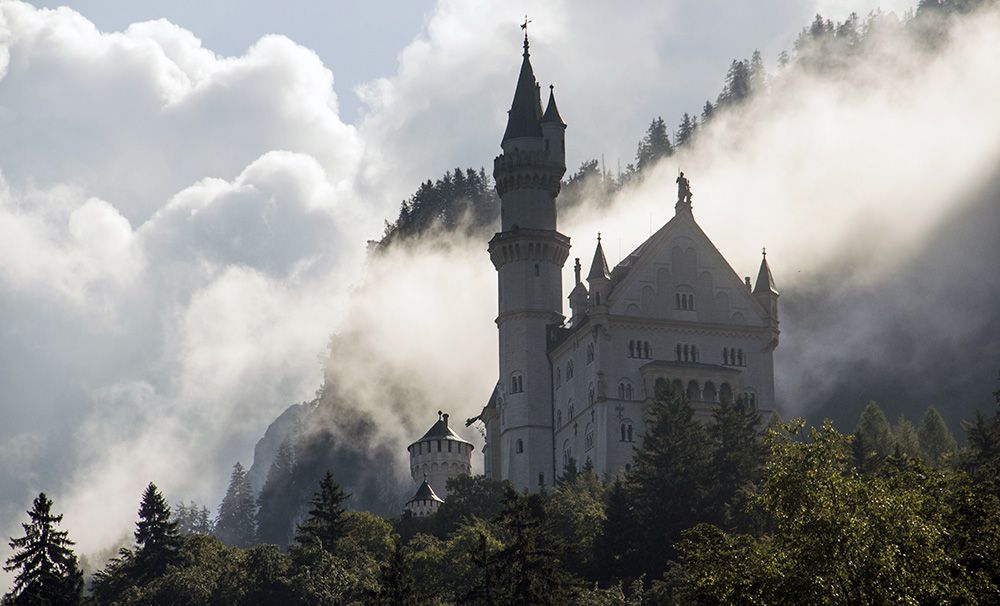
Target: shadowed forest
column 709, row 512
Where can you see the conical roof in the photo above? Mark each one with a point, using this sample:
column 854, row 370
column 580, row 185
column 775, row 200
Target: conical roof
column 440, row 431
column 551, row 111
column 599, row 266
column 526, row 108
column 425, row 493
column 765, row 281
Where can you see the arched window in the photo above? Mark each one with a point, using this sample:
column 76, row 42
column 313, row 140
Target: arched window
column 645, row 347
column 558, row 418
column 516, row 383
column 569, row 370
column 590, row 353
column 631, row 349
column 725, row 356
column 739, row 357
column 687, row 352
column 571, row 415
column 626, row 430
column 621, row 391
column 567, row 453
column 588, row 437
column 628, row 391
column 590, row 393
column 624, row 390
column 677, row 300
column 678, row 352
column 694, row 353
column 520, row 446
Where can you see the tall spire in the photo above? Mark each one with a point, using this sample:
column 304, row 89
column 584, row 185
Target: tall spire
column 523, row 119
column 599, row 266
column 765, row 282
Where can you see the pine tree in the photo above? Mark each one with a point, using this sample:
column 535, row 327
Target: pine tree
column 758, row 74
column 237, row 521
column 873, row 440
column 706, row 112
column 737, row 457
column 397, row 586
column 278, row 500
column 47, row 571
column 569, row 471
column 668, row 480
column 156, row 536
column 655, row 145
column 906, row 438
column 615, row 546
column 737, row 87
column 325, row 523
column 527, row 569
column 936, row 441
column 685, row 131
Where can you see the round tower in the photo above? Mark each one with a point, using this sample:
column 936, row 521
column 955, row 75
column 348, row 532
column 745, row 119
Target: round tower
column 441, row 454
column 528, row 254
column 425, row 502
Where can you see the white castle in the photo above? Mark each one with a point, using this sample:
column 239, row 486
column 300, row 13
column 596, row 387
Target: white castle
column 671, row 311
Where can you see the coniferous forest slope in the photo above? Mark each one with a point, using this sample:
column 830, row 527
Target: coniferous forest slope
column 880, row 505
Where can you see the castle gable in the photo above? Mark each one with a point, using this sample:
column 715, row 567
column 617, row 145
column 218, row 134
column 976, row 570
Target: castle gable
column 678, row 274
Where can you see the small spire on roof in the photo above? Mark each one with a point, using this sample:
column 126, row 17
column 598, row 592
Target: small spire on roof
column 765, row 282
column 577, row 269
column 551, row 110
column 599, row 266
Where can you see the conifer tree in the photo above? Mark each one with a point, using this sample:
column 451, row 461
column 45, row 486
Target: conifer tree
column 905, row 435
column 615, row 546
column 758, row 74
column 278, row 500
column 46, row 567
column 325, row 522
column 397, row 586
column 655, row 145
column 706, row 112
column 686, row 129
column 737, row 457
column 873, row 440
column 936, row 441
column 526, row 570
column 737, row 87
column 668, row 480
column 156, row 536
column 237, row 521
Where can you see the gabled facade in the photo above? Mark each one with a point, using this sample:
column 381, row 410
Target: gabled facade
column 672, row 310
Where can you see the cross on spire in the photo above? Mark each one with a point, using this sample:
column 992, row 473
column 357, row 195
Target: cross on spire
column 524, row 26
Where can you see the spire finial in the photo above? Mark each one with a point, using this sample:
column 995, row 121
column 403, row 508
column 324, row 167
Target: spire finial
column 763, row 251
column 524, row 26
column 577, row 269
column 440, row 413
column 598, row 237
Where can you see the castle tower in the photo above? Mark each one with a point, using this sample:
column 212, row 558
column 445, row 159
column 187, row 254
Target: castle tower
column 528, row 254
column 425, row 501
column 441, row 454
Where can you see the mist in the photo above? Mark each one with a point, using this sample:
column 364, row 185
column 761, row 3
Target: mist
column 187, row 296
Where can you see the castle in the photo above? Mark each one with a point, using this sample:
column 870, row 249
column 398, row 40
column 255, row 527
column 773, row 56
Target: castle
column 673, row 310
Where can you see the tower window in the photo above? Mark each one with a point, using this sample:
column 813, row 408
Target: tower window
column 626, row 430
column 516, row 383
column 520, row 446
column 541, row 476
column 536, row 270
column 449, row 445
column 590, row 353
column 439, row 445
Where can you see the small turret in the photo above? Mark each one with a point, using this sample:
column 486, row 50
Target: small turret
column 440, row 455
column 554, row 130
column 424, row 502
column 599, row 277
column 764, row 289
column 578, row 297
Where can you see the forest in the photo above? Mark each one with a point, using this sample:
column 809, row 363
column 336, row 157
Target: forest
column 710, row 512
column 717, row 511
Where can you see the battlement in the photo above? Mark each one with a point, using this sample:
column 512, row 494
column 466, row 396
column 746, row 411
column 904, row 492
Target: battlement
column 529, row 245
column 527, row 170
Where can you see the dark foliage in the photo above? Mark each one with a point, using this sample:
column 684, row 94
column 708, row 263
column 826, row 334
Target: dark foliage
column 45, row 567
column 324, row 524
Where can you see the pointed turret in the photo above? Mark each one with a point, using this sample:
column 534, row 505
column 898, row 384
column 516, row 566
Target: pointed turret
column 578, row 296
column 524, row 117
column 599, row 277
column 764, row 289
column 551, row 111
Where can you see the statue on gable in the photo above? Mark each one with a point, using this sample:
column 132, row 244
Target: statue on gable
column 683, row 190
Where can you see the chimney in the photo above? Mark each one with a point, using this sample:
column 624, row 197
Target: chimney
column 445, row 417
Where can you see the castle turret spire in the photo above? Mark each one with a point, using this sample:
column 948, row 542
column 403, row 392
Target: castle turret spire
column 524, row 117
column 599, row 266
column 764, row 290
column 551, row 111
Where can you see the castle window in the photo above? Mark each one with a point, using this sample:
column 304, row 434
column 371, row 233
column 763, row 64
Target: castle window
column 439, row 445
column 626, row 430
column 631, row 349
column 541, row 476
column 645, row 349
column 516, row 383
column 684, row 301
column 725, row 356
column 569, row 370
column 740, row 359
column 624, row 390
column 687, row 352
column 536, row 270
column 590, row 353
column 588, row 437
column 678, row 352
column 591, row 394
column 558, row 376
column 570, row 410
column 520, row 446
column 558, row 418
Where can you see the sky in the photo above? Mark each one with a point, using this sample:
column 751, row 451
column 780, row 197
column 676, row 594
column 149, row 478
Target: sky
column 186, row 192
